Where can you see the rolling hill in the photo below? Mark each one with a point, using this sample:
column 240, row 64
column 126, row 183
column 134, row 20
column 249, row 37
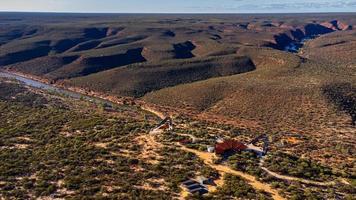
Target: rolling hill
column 289, row 78
column 233, row 66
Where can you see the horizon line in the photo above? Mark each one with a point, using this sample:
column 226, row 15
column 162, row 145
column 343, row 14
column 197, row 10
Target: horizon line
column 78, row 12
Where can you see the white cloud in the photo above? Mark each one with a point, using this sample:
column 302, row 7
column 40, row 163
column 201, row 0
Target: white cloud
column 33, row 5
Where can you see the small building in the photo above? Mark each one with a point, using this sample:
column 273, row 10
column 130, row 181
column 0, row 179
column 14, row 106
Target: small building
column 166, row 124
column 260, row 151
column 229, row 146
column 194, row 187
column 257, row 150
column 211, row 149
column 205, row 181
column 219, row 140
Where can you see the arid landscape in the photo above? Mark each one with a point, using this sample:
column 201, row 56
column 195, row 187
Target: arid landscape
column 177, row 106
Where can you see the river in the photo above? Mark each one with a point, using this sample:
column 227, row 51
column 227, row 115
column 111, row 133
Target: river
column 296, row 45
column 51, row 88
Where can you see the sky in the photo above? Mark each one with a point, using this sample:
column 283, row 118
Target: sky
column 179, row 6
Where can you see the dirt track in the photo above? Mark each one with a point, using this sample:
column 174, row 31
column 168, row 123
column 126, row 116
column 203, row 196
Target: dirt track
column 290, row 178
column 153, row 111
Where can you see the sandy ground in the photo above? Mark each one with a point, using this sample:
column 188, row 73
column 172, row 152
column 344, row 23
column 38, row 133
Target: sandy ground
column 149, row 148
column 183, row 194
column 208, row 159
column 101, row 145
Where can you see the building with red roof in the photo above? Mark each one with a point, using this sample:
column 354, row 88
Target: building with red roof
column 228, row 146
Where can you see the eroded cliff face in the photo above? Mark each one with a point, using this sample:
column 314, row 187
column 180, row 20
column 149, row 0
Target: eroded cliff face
column 292, row 39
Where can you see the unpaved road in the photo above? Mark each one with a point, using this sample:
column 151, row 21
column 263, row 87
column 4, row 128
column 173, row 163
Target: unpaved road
column 153, row 111
column 290, row 178
column 194, row 139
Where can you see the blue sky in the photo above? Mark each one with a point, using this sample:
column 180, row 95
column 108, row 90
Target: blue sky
column 180, row 6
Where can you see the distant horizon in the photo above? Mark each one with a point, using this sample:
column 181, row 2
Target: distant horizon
column 172, row 13
column 179, row 7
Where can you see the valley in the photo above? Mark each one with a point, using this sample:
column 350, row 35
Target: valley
column 82, row 97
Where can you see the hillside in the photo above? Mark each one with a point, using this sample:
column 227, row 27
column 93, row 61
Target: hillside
column 137, row 80
column 253, row 106
column 58, row 147
column 291, row 76
column 235, row 57
column 63, row 47
column 55, row 146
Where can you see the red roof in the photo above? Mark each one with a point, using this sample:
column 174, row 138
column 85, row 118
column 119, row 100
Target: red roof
column 185, row 141
column 227, row 145
column 164, row 126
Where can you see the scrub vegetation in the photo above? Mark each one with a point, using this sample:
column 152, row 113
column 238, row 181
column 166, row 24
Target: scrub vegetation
column 290, row 76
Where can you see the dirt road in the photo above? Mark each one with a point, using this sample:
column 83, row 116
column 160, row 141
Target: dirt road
column 290, row 178
column 153, row 111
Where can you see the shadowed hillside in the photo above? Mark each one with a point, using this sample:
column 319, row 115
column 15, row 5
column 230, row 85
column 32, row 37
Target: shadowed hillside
column 219, row 80
column 138, row 79
column 230, row 65
column 88, row 65
column 344, row 97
